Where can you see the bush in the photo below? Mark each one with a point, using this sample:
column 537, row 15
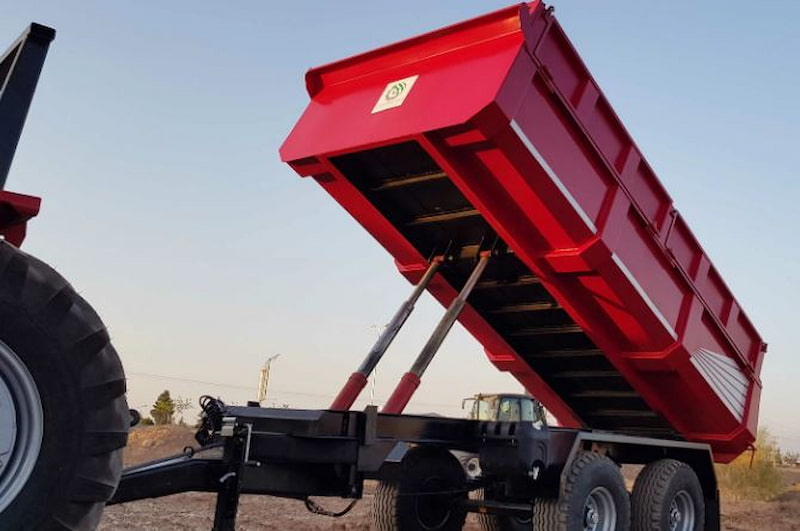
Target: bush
column 761, row 481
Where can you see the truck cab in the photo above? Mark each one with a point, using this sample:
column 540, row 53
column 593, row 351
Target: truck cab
column 505, row 408
column 500, row 407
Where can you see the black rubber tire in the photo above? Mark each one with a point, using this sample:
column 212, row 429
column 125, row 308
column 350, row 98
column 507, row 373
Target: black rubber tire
column 136, row 417
column 496, row 522
column 656, row 487
column 66, row 349
column 397, row 507
column 588, row 471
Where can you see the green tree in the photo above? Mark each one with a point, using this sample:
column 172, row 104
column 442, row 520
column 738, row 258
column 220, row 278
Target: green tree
column 164, row 409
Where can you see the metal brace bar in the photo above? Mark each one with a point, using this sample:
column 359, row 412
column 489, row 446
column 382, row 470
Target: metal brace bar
column 20, row 67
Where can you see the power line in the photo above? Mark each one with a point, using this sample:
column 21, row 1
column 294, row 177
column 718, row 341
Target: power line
column 187, row 380
column 249, row 388
column 218, row 384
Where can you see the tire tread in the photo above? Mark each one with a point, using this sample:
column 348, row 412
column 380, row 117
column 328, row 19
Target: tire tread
column 557, row 514
column 651, row 489
column 57, row 311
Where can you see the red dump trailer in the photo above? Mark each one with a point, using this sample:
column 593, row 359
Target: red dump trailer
column 486, row 160
column 603, row 305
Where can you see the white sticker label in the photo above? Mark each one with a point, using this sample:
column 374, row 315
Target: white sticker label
column 394, row 94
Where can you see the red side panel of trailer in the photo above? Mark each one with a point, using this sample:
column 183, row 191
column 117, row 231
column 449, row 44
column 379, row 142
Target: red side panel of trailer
column 603, row 304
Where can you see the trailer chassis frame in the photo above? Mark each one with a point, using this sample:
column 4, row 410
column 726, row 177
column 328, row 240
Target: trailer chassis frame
column 301, row 453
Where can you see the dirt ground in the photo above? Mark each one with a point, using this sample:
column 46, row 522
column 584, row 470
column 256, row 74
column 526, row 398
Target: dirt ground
column 195, row 511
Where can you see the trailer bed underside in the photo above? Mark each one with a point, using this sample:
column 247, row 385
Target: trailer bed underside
column 405, row 184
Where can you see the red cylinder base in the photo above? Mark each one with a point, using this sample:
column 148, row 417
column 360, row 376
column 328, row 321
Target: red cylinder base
column 402, row 394
column 349, row 393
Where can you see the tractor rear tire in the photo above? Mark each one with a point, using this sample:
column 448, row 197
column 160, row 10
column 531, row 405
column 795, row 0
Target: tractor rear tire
column 428, row 496
column 63, row 415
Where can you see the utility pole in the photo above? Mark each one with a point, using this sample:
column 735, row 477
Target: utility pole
column 264, row 379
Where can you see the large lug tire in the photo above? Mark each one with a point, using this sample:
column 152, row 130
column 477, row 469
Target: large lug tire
column 497, row 522
column 667, row 496
column 428, row 496
column 63, row 414
column 593, row 498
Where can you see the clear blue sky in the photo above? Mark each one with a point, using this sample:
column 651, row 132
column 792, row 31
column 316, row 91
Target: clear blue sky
column 153, row 139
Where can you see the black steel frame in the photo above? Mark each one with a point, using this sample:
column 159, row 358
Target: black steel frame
column 301, row 453
column 20, row 67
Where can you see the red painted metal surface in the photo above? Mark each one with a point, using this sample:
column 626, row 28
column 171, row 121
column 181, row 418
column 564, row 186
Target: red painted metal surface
column 504, row 106
column 350, row 391
column 409, row 383
column 15, row 211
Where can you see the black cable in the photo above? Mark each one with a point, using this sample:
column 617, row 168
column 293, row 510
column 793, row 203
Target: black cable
column 316, row 508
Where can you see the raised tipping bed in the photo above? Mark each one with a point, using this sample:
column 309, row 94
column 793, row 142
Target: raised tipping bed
column 604, row 306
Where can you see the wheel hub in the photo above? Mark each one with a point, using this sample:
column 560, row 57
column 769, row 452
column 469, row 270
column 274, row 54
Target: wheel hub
column 674, row 516
column 21, row 425
column 682, row 512
column 591, row 518
column 599, row 511
column 474, row 468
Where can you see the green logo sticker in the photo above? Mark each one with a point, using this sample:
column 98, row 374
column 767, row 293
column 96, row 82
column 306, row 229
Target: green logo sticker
column 396, row 90
column 394, row 94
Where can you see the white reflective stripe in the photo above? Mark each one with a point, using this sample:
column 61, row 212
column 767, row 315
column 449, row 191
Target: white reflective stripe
column 650, row 304
column 716, row 369
column 589, row 223
column 727, row 365
column 553, row 177
column 734, row 394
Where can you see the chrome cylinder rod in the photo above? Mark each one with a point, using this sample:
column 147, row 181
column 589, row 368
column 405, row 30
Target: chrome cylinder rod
column 411, row 380
column 358, row 380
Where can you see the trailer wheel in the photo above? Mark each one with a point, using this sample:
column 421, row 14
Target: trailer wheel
column 427, row 496
column 497, row 522
column 63, row 414
column 593, row 498
column 667, row 496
